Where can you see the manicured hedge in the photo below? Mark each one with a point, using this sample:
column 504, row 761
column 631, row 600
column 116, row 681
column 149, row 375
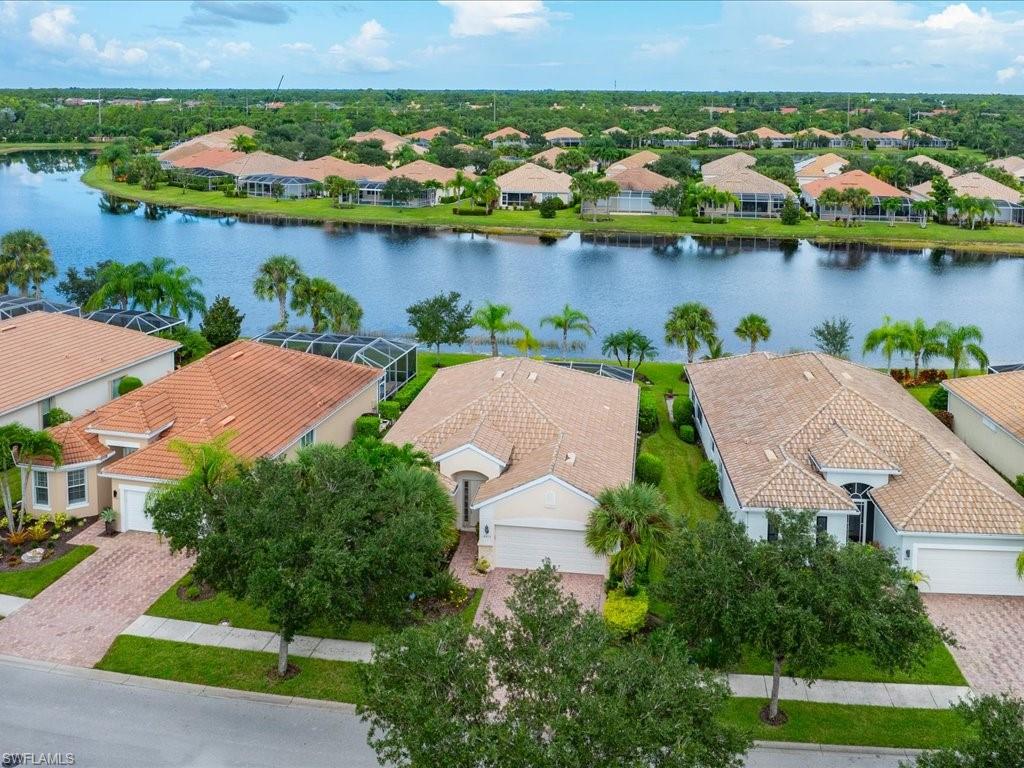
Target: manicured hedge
column 127, row 384
column 648, row 415
column 649, row 469
column 682, row 411
column 939, row 400
column 687, row 434
column 707, row 480
column 389, row 410
column 368, row 426
column 624, row 615
column 408, row 393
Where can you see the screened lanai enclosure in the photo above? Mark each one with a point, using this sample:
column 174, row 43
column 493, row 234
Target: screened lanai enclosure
column 617, row 372
column 272, row 184
column 12, row 306
column 135, row 319
column 397, row 357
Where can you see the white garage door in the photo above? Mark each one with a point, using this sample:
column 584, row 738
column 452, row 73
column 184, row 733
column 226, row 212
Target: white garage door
column 519, row 547
column 969, row 571
column 133, row 510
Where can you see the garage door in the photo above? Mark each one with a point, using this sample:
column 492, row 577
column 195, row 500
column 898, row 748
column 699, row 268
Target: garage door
column 969, row 571
column 133, row 510
column 519, row 547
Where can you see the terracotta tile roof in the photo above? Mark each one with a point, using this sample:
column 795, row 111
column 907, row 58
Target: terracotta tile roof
column 728, row 163
column 1012, row 164
column 214, row 140
column 613, row 129
column 823, row 166
column 867, row 133
column 576, row 426
column 641, row 180
column 429, row 134
column 550, row 155
column 208, row 158
column 530, row 177
column 325, row 166
column 931, row 162
column 484, row 437
column 747, row 181
column 712, row 131
column 975, row 185
column 562, row 133
column 422, row 170
column 816, row 132
column 505, row 133
column 76, row 447
column 664, row 130
column 260, row 162
column 639, row 159
column 765, row 132
column 773, row 416
column 465, row 147
column 266, row 396
column 852, row 180
column 999, row 396
column 390, row 141
column 45, row 353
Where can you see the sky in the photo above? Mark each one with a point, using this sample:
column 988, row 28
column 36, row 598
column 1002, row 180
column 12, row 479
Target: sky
column 885, row 45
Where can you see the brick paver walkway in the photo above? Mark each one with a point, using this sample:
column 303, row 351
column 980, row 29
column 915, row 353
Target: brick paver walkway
column 75, row 619
column 464, row 560
column 587, row 589
column 990, row 635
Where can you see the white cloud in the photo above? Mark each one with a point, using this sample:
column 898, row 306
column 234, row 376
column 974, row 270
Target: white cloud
column 773, row 41
column 475, row 18
column 8, row 12
column 298, row 47
column 52, row 28
column 113, row 53
column 959, row 18
column 1006, row 74
column 364, row 52
column 825, row 16
column 437, row 51
column 660, row 49
column 237, row 49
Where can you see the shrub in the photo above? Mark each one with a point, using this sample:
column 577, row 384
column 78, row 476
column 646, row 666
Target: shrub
column 649, row 469
column 482, row 566
column 939, row 400
column 408, row 393
column 367, row 425
column 60, row 521
column 127, row 384
column 38, row 531
column 791, row 213
column 476, row 211
column 687, row 434
column 17, row 538
column 388, row 410
column 682, row 411
column 647, row 420
column 1019, row 484
column 625, row 615
column 707, row 480
column 549, row 207
column 56, row 416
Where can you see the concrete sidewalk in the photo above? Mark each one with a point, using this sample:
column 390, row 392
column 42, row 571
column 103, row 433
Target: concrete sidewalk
column 246, row 639
column 906, row 696
column 9, row 604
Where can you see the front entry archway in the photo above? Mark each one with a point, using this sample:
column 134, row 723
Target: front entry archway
column 861, row 527
column 468, row 485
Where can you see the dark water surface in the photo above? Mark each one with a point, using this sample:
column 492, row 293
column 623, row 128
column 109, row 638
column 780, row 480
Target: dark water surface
column 794, row 285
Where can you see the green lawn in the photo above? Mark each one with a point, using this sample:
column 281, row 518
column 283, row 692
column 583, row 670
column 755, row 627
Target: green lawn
column 320, row 209
column 31, row 582
column 230, row 668
column 851, row 724
column 939, row 668
column 14, row 480
column 8, row 149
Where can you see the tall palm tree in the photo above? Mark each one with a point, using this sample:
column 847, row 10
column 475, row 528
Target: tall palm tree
column 857, row 198
column 716, row 350
column 172, row 289
column 963, row 343
column 344, row 314
column 244, row 143
column 313, row 296
column 885, row 337
column 494, row 320
column 754, row 329
column 25, row 261
column 920, row 340
column 923, row 209
column 689, row 325
column 465, row 187
column 486, row 191
column 830, row 198
column 631, row 523
column 121, row 285
column 209, row 464
column 527, row 342
column 892, row 206
column 32, row 445
column 569, row 320
column 275, row 277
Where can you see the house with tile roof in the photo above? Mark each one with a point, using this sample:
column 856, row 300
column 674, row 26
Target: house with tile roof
column 270, row 401
column 931, row 162
column 437, row 180
column 531, row 183
column 820, row 167
column 563, row 137
column 716, row 137
column 214, row 140
column 774, row 138
column 390, row 142
column 988, row 415
column 760, row 196
column 818, row 137
column 1013, row 165
column 878, row 192
column 637, row 187
column 640, row 159
column 730, row 162
column 1006, row 199
column 526, row 447
column 810, row 431
column 423, row 138
column 54, row 360
column 508, row 136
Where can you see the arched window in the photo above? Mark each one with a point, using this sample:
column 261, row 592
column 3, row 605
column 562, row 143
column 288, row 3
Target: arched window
column 860, row 527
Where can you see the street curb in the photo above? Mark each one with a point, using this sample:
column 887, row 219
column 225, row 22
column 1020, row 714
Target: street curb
column 851, row 749
column 174, row 686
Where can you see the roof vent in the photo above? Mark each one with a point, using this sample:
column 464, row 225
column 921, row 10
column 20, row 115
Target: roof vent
column 498, row 374
column 808, row 375
column 532, row 376
column 6, row 328
column 770, row 454
column 238, row 354
column 227, row 420
column 570, row 459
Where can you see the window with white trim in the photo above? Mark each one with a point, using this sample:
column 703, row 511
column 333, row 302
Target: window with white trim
column 76, row 487
column 307, row 439
column 40, row 488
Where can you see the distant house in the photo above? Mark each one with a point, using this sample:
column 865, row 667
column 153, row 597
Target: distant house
column 390, row 142
column 726, row 164
column 204, row 167
column 1007, row 201
column 438, row 182
column 777, row 138
column 636, row 108
column 988, row 415
column 899, row 139
column 760, row 197
column 788, row 110
column 328, row 165
column 504, row 137
column 818, row 137
column 879, row 139
column 820, row 167
column 636, row 190
column 613, row 130
column 530, row 183
column 423, row 138
column 717, row 137
column 1013, row 165
column 640, row 159
column 549, row 156
column 931, row 162
column 879, row 191
column 718, row 110
column 214, row 140
column 666, row 136
column 563, row 137
column 281, row 185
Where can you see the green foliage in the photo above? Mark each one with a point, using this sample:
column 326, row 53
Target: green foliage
column 708, row 480
column 682, row 411
column 30, row 445
column 128, row 384
column 56, row 416
column 548, row 208
column 625, row 615
column 408, row 392
column 629, row 343
column 402, row 189
column 630, row 524
column 222, row 322
column 791, row 213
column 939, row 399
column 833, row 336
column 77, row 288
column 441, row 319
column 566, row 700
column 647, row 415
column 389, row 410
column 689, row 326
column 25, row 262
column 649, row 469
column 995, row 736
column 367, row 426
column 1019, row 484
column 193, row 344
column 687, row 433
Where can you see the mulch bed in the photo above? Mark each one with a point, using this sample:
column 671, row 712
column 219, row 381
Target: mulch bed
column 437, row 608
column 10, row 557
column 780, row 719
column 274, row 677
column 206, row 592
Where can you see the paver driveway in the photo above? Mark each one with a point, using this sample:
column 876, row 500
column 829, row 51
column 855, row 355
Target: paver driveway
column 75, row 619
column 989, row 631
column 587, row 589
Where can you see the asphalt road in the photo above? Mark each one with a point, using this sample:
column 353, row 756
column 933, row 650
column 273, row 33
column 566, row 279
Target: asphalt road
column 106, row 725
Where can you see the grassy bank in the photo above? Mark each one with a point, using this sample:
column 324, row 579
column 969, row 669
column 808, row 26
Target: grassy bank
column 31, row 582
column 40, row 146
column 998, row 239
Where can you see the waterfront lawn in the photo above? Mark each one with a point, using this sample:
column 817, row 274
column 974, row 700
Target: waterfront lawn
column 850, row 724
column 30, row 582
column 321, row 209
column 41, row 146
column 939, row 668
column 231, row 668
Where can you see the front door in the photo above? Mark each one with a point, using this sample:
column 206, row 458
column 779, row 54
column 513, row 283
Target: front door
column 468, row 517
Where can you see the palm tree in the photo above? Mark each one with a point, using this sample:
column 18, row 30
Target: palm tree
column 344, row 314
column 631, row 523
column 830, row 198
column 923, row 209
column 275, row 277
column 25, row 261
column 857, row 198
column 885, row 337
column 486, row 191
column 527, row 342
column 753, row 328
column 494, row 320
column 569, row 320
column 32, row 445
column 963, row 343
column 172, row 289
column 314, row 296
column 689, row 325
column 629, row 342
column 644, row 348
column 892, row 206
column 921, row 341
column 465, row 186
column 716, row 350
column 243, row 143
column 121, row 285
column 209, row 464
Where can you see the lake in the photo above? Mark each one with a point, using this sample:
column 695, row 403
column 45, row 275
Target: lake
column 795, row 285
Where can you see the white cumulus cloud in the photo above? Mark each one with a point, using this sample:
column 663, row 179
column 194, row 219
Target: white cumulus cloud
column 476, row 18
column 52, row 28
column 773, row 41
column 660, row 49
column 366, row 51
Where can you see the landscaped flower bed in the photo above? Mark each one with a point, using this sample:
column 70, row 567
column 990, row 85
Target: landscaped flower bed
column 50, row 534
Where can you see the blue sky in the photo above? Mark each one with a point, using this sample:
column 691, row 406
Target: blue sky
column 861, row 46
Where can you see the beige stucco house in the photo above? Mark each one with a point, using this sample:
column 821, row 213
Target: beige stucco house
column 525, row 448
column 988, row 415
column 531, row 183
column 52, row 360
column 272, row 401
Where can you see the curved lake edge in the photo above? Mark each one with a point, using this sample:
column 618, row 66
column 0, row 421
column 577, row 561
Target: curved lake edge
column 93, row 177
